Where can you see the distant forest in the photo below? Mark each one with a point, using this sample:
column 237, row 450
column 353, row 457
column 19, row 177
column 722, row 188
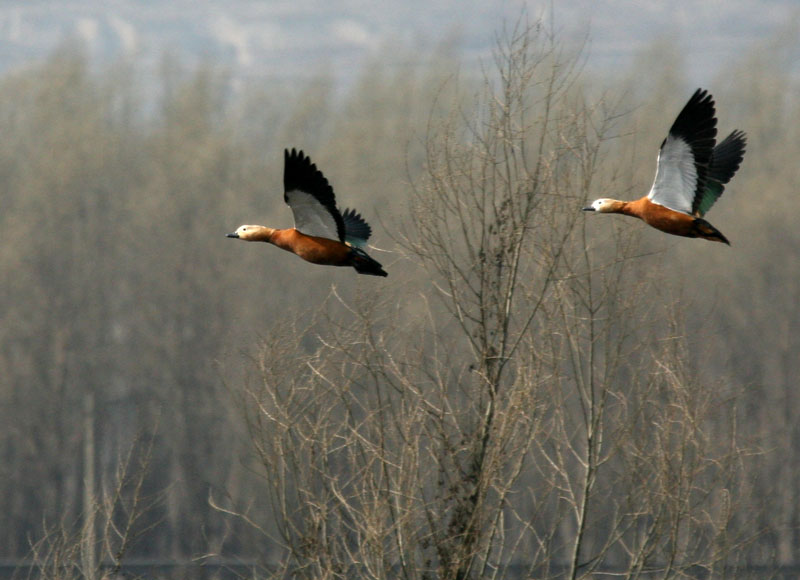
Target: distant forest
column 531, row 393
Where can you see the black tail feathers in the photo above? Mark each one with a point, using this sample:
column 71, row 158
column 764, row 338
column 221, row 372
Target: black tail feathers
column 364, row 264
column 703, row 229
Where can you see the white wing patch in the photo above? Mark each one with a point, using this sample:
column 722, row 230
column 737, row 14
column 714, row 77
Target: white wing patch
column 310, row 216
column 676, row 176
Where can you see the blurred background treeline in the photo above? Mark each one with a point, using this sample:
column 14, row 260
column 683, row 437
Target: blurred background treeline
column 172, row 396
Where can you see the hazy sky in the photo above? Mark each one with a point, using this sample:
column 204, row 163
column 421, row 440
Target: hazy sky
column 288, row 38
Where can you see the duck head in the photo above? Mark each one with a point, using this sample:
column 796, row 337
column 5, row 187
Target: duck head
column 251, row 233
column 603, row 205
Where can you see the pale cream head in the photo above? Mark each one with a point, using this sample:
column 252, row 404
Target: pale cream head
column 603, row 205
column 247, row 233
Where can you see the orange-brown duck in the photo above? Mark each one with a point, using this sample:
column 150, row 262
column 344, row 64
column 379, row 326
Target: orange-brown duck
column 321, row 233
column 690, row 176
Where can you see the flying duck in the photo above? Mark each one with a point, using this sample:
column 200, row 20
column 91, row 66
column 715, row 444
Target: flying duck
column 321, row 233
column 690, row 176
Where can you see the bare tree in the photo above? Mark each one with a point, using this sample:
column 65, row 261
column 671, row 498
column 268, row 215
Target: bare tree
column 118, row 518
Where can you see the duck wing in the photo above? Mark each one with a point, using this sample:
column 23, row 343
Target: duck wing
column 311, row 198
column 725, row 161
column 356, row 230
column 685, row 155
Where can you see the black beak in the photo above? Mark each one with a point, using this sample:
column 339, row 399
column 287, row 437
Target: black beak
column 233, row 235
column 587, row 208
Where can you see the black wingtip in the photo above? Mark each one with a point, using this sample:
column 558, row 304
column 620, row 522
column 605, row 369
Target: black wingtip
column 356, row 228
column 727, row 157
column 294, row 153
column 697, row 122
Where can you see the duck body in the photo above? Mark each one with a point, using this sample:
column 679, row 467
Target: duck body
column 322, row 234
column 322, row 251
column 313, row 249
column 691, row 175
column 667, row 220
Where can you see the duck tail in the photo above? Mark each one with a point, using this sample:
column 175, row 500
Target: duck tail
column 703, row 229
column 364, row 264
